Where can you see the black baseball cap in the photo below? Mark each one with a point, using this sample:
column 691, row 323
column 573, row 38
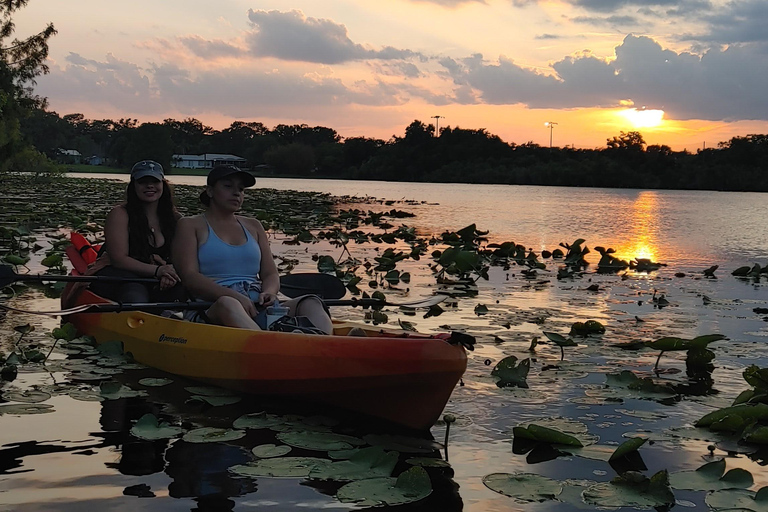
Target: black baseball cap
column 222, row 171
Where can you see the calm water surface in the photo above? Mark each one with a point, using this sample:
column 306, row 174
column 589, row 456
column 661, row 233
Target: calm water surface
column 82, row 456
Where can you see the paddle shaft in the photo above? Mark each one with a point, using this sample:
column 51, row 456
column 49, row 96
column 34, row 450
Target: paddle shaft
column 291, row 285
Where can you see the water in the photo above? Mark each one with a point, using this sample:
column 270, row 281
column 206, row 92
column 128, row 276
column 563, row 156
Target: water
column 681, row 228
column 83, row 456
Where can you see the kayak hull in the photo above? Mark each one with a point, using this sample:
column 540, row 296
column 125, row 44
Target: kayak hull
column 402, row 377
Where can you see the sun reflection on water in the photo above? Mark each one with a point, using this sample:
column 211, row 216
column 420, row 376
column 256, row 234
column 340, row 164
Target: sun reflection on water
column 643, row 229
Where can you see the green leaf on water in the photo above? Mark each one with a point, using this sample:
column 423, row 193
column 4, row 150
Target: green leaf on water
column 29, row 396
column 511, row 374
column 268, row 451
column 54, row 260
column 481, row 309
column 66, row 332
column 524, row 487
column 411, row 486
column 257, row 420
column 545, row 435
column 370, row 462
column 627, row 447
column 154, row 382
column 208, row 391
column 213, row 435
column 16, row 260
column 746, row 412
column 326, row 264
column 24, row 329
column 149, row 428
column 215, row 401
column 631, row 489
column 320, row 441
column 738, row 499
column 21, row 409
column 280, row 467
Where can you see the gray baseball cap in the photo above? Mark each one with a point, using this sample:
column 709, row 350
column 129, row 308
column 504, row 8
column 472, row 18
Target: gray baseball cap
column 147, row 168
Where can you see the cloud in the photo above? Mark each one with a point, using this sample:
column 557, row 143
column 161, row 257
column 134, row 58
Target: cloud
column 609, row 20
column 210, row 49
column 740, row 21
column 721, row 84
column 449, row 3
column 292, row 36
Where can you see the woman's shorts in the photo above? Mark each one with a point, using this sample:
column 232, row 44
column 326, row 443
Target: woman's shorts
column 249, row 289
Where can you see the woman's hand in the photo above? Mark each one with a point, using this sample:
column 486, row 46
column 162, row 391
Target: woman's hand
column 167, row 276
column 267, row 299
column 247, row 304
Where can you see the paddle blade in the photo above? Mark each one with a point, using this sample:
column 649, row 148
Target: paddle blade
column 325, row 286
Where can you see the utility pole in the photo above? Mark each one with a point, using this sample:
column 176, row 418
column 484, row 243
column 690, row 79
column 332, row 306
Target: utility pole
column 437, row 129
column 551, row 125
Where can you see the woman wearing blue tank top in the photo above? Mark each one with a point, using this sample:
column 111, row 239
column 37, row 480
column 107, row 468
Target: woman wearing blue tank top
column 225, row 258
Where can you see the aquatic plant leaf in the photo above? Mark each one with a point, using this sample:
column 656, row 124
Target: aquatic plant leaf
column 756, row 435
column 268, row 451
column 627, row 447
column 149, row 428
column 481, row 309
column 24, row 329
column 320, row 441
column 53, row 260
column 257, row 420
column 213, row 435
column 110, row 348
column 215, row 401
column 524, row 487
column 511, row 374
column 370, row 462
column 741, row 271
column 326, row 264
column 66, row 332
column 86, row 395
column 735, row 499
column 29, row 396
column 756, row 377
column 139, row 490
column 545, row 435
column 13, row 259
column 19, row 409
column 559, row 340
column 632, row 489
column 710, row 477
column 154, row 382
column 747, row 412
column 280, row 467
column 669, row 344
column 428, row 462
column 702, row 341
column 411, row 486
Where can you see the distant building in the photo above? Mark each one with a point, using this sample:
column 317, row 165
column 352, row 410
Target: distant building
column 68, row 156
column 206, row 161
column 94, row 160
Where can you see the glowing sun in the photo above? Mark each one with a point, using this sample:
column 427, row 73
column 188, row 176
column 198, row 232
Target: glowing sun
column 643, row 118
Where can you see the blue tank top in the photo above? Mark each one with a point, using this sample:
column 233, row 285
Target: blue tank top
column 229, row 264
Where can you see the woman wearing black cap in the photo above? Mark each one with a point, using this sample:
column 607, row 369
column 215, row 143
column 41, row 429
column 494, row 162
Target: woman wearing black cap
column 138, row 237
column 225, row 257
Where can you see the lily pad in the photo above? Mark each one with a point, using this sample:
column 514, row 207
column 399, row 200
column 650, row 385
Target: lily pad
column 510, row 373
column 710, row 477
column 267, row 451
column 66, row 332
column 411, row 486
column 19, row 409
column 280, row 467
column 545, row 435
column 632, row 489
column 257, row 420
column 627, row 447
column 371, row 462
column 729, row 499
column 524, row 487
column 154, row 382
column 320, row 441
column 213, row 435
column 30, row 396
column 149, row 428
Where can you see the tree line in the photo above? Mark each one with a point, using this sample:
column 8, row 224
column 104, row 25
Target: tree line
column 31, row 136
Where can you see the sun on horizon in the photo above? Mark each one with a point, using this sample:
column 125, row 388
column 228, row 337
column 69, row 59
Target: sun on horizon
column 642, row 117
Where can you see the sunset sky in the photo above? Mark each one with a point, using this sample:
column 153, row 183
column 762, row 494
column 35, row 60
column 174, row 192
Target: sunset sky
column 682, row 72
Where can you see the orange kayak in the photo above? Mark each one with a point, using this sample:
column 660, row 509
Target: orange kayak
column 400, row 376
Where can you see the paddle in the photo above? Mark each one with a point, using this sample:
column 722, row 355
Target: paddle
column 148, row 306
column 324, row 286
